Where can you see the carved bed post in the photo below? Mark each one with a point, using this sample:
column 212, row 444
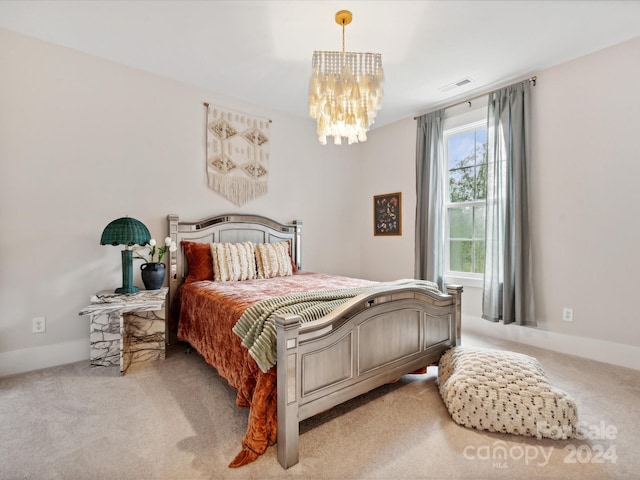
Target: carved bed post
column 171, row 336
column 173, row 256
column 456, row 291
column 298, row 250
column 288, row 388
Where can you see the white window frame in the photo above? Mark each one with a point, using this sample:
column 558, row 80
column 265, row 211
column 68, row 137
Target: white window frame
column 453, row 277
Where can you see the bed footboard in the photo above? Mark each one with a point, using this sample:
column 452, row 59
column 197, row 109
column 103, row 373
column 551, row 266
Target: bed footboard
column 369, row 341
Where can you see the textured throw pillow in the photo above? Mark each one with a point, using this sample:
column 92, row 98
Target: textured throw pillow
column 233, row 261
column 199, row 261
column 273, row 260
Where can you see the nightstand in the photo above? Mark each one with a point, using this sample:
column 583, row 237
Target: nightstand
column 127, row 329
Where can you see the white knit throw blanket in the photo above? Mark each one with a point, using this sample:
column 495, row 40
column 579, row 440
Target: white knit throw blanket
column 237, row 154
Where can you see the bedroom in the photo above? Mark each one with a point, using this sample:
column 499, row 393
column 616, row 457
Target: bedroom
column 73, row 123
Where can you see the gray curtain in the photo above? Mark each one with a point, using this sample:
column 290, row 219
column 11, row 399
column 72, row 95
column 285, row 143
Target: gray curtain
column 430, row 197
column 508, row 286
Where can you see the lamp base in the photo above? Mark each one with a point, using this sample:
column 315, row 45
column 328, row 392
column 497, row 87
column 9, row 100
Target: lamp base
column 127, row 274
column 132, row 289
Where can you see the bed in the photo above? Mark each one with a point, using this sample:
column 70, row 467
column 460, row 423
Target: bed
column 378, row 331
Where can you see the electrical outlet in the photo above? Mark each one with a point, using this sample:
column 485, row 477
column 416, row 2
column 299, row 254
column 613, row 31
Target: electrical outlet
column 567, row 314
column 38, row 325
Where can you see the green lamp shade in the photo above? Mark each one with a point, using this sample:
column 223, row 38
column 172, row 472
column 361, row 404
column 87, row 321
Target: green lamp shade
column 126, row 231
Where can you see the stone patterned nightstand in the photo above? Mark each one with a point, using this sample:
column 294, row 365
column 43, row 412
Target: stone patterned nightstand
column 127, row 329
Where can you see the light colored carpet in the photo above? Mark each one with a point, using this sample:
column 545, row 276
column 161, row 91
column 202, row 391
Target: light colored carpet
column 178, row 420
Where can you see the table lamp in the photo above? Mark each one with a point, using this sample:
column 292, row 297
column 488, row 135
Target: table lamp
column 128, row 232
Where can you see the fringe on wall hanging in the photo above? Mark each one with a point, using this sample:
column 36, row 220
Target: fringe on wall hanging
column 237, row 154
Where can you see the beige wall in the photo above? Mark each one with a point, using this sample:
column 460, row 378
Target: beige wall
column 84, row 141
column 584, row 200
column 587, row 211
column 388, row 166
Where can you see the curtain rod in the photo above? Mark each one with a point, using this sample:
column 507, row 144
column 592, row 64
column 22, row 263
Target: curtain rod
column 531, row 80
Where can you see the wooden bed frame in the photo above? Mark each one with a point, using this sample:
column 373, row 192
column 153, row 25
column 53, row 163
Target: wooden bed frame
column 371, row 340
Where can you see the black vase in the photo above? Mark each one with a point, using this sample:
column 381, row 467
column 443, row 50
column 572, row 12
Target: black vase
column 152, row 275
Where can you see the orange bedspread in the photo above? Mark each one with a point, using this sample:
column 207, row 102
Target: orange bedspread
column 208, row 312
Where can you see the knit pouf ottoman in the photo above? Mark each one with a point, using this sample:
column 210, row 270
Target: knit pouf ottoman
column 505, row 392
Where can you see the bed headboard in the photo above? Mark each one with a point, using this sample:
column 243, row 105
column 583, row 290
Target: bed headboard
column 231, row 228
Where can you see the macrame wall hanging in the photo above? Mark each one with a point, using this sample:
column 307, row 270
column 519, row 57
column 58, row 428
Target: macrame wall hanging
column 237, row 154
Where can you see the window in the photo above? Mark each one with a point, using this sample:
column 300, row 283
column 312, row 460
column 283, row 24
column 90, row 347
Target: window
column 466, row 157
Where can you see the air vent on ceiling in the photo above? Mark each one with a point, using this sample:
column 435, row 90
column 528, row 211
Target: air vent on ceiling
column 457, row 84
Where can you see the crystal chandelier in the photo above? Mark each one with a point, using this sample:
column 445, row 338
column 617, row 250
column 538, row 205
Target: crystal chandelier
column 345, row 91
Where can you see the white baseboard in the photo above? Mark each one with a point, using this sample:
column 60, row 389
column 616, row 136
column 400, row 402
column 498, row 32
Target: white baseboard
column 591, row 348
column 36, row 358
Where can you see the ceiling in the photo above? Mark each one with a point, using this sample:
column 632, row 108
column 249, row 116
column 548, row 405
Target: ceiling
column 260, row 51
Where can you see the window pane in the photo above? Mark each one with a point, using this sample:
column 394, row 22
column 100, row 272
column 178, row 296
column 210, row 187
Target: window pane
column 478, row 246
column 481, row 182
column 481, row 146
column 460, row 256
column 478, row 222
column 461, row 150
column 467, row 182
column 461, row 223
column 462, row 185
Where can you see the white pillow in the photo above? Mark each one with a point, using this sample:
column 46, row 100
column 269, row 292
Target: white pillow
column 233, row 261
column 273, row 260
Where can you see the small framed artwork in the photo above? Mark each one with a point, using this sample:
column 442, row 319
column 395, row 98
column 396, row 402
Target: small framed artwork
column 387, row 214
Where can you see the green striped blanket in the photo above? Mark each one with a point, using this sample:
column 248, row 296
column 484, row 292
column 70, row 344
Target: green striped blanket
column 256, row 326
